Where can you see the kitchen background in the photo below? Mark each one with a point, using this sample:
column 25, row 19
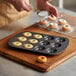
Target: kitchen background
column 67, row 4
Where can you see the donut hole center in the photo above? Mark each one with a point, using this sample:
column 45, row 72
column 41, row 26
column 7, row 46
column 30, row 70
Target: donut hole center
column 66, row 26
column 42, row 57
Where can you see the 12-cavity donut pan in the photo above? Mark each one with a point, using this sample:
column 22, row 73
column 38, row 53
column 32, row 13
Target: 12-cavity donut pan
column 39, row 43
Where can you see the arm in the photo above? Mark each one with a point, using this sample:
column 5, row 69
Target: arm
column 41, row 5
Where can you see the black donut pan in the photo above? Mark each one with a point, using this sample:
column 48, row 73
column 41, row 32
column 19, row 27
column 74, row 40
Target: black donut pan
column 48, row 44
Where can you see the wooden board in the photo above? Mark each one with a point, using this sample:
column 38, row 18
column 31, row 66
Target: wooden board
column 30, row 58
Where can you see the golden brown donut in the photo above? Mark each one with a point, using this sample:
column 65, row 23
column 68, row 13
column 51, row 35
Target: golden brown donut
column 66, row 28
column 17, row 43
column 33, row 41
column 43, row 22
column 62, row 21
column 38, row 36
column 42, row 59
column 53, row 26
column 27, row 34
column 28, row 46
column 52, row 18
column 22, row 39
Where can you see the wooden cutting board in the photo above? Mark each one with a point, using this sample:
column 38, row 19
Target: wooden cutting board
column 29, row 59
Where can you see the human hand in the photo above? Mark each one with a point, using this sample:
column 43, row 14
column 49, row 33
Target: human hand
column 44, row 5
column 20, row 5
column 52, row 10
column 47, row 0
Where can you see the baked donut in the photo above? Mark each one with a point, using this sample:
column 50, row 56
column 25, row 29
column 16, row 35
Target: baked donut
column 66, row 27
column 53, row 25
column 17, row 43
column 28, row 46
column 38, row 36
column 62, row 21
column 27, row 34
column 52, row 18
column 43, row 22
column 22, row 39
column 33, row 41
column 42, row 59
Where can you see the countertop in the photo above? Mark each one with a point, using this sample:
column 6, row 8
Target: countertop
column 11, row 68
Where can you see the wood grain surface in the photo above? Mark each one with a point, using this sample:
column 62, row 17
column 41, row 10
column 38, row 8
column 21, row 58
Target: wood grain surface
column 29, row 59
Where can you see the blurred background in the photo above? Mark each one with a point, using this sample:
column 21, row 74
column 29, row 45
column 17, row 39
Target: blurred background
column 67, row 4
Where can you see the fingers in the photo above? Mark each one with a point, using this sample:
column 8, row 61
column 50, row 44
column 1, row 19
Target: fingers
column 53, row 14
column 41, row 5
column 47, row 0
column 25, row 6
column 21, row 5
column 52, row 10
